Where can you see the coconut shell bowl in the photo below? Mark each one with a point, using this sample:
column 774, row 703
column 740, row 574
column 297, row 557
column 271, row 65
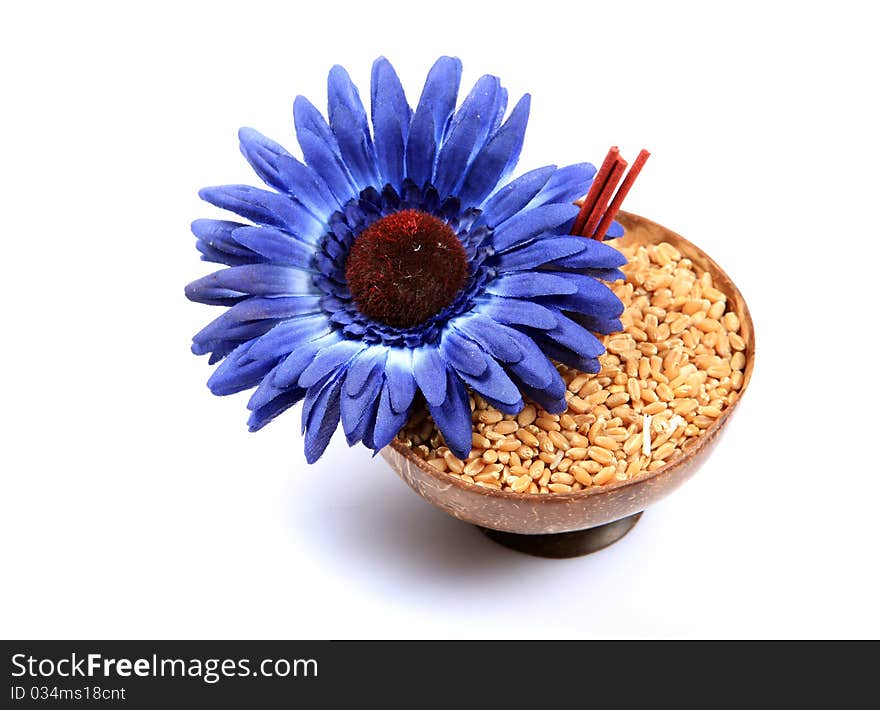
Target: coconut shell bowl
column 580, row 522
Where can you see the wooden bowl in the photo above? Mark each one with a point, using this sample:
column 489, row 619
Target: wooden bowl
column 577, row 523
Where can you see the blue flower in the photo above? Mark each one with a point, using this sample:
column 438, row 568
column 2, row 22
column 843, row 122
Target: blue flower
column 401, row 261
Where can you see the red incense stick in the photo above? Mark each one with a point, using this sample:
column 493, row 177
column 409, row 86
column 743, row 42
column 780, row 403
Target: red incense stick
column 593, row 195
column 604, row 197
column 614, row 207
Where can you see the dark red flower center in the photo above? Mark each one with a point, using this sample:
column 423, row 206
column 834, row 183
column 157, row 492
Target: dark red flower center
column 406, row 267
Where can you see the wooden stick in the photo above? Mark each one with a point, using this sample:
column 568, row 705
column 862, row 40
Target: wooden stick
column 604, row 197
column 625, row 186
column 595, row 189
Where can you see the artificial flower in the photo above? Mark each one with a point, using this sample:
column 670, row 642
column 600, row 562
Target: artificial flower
column 401, row 263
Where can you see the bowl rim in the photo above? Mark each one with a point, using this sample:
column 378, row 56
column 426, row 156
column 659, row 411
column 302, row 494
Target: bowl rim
column 406, row 452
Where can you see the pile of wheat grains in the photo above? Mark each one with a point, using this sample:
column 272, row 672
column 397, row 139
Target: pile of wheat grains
column 665, row 379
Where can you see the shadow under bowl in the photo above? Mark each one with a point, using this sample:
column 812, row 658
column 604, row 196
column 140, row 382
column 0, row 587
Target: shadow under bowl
column 577, row 523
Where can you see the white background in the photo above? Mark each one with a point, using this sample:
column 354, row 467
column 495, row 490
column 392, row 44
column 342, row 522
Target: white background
column 135, row 504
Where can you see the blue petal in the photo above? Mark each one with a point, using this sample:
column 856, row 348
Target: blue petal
column 431, row 119
column 606, row 326
column 592, row 297
column 358, row 410
column 401, row 383
column 363, row 431
column 362, row 369
column 574, row 337
column 276, row 246
column 264, row 207
column 214, row 297
column 216, row 244
column 551, row 399
column 467, row 134
column 348, row 121
column 391, row 117
column 281, row 307
column 492, row 337
column 512, row 311
column 609, row 275
column 321, row 151
column 495, row 385
column 539, row 252
column 513, row 197
column 266, row 392
column 320, row 417
column 429, row 370
column 329, row 360
column 366, row 429
column 265, row 414
column 593, row 254
column 566, row 185
column 615, row 231
column 246, row 320
column 453, row 417
column 253, row 279
column 278, row 169
column 535, row 369
column 531, row 284
column 462, row 353
column 233, row 335
column 310, row 401
column 210, row 253
column 218, row 233
column 569, row 357
column 238, row 372
column 528, row 225
column 498, row 111
column 388, row 421
column 497, row 159
column 288, row 336
column 288, row 372
column 267, row 402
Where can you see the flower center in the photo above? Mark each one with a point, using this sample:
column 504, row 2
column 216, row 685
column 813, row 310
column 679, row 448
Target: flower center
column 405, row 268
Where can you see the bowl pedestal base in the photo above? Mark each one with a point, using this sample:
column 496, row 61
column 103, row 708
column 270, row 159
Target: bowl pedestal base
column 569, row 544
